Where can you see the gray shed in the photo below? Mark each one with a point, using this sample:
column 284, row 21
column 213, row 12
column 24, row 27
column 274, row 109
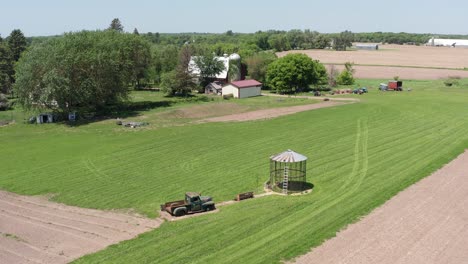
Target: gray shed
column 45, row 118
column 367, row 46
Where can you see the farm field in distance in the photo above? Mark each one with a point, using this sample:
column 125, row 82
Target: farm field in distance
column 360, row 155
column 405, row 61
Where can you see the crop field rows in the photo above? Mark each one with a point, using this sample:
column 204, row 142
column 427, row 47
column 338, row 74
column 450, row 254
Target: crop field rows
column 423, row 224
column 405, row 61
column 360, row 155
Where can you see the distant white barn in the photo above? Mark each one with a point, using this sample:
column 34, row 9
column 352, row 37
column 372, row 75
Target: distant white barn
column 222, row 76
column 447, row 42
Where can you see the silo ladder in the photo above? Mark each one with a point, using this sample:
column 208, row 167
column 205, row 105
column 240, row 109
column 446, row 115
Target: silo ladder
column 285, row 180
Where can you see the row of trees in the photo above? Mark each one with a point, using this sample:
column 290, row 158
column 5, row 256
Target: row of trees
column 288, row 40
column 92, row 69
column 83, row 70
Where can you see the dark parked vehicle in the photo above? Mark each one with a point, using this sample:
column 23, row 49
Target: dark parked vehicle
column 193, row 203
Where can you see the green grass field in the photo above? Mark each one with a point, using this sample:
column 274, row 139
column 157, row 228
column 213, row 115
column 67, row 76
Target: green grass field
column 360, row 155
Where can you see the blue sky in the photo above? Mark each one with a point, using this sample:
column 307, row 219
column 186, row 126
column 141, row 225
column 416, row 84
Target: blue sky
column 51, row 17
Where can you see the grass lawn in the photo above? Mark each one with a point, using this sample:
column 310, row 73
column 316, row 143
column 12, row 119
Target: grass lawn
column 360, row 155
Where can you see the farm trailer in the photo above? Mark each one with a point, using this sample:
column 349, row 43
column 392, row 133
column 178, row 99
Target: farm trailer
column 391, row 86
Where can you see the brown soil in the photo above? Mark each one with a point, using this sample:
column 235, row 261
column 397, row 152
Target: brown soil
column 373, row 72
column 35, row 230
column 426, row 223
column 201, row 111
column 398, row 55
column 270, row 113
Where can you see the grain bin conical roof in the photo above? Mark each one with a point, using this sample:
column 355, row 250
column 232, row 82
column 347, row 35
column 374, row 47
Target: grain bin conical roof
column 288, row 156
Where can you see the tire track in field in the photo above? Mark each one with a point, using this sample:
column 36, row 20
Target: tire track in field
column 361, row 155
column 95, row 171
column 425, row 223
column 353, row 182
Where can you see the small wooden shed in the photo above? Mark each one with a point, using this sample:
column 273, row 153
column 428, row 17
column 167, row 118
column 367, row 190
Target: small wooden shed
column 243, row 89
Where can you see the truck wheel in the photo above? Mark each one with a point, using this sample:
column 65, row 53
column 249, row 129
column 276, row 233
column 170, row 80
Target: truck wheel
column 180, row 213
column 210, row 208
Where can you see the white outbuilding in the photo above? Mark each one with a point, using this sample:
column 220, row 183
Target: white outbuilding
column 447, row 42
column 367, row 46
column 243, row 89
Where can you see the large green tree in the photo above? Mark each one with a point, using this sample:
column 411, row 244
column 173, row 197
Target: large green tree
column 17, row 43
column 343, row 40
column 180, row 81
column 88, row 69
column 209, row 66
column 257, row 65
column 294, row 73
column 279, row 42
column 164, row 60
column 141, row 56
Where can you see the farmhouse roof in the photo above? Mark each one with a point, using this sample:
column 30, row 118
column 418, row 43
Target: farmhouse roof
column 288, row 156
column 246, row 83
column 216, row 85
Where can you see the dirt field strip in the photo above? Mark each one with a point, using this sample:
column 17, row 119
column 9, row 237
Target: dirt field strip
column 397, row 55
column 403, row 56
column 382, row 72
column 426, row 223
column 35, row 230
column 270, row 113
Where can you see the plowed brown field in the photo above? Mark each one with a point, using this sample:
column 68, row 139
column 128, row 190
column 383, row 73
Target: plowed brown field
column 426, row 223
column 398, row 60
column 34, row 230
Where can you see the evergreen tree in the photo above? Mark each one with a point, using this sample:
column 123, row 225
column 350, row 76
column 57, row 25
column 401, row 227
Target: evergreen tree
column 116, row 25
column 135, row 31
column 6, row 68
column 17, row 43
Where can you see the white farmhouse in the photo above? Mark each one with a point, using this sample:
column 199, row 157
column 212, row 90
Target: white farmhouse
column 243, row 89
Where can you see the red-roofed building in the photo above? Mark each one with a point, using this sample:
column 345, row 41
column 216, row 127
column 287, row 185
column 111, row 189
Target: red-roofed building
column 243, row 89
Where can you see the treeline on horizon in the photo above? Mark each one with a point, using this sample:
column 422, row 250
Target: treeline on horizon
column 281, row 40
column 255, row 49
column 157, row 59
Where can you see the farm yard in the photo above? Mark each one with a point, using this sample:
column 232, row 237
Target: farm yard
column 407, row 62
column 360, row 155
column 191, row 137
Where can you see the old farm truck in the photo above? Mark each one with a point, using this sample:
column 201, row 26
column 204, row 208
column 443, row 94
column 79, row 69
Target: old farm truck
column 193, row 203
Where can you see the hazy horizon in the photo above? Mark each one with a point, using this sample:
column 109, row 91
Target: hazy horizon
column 53, row 17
